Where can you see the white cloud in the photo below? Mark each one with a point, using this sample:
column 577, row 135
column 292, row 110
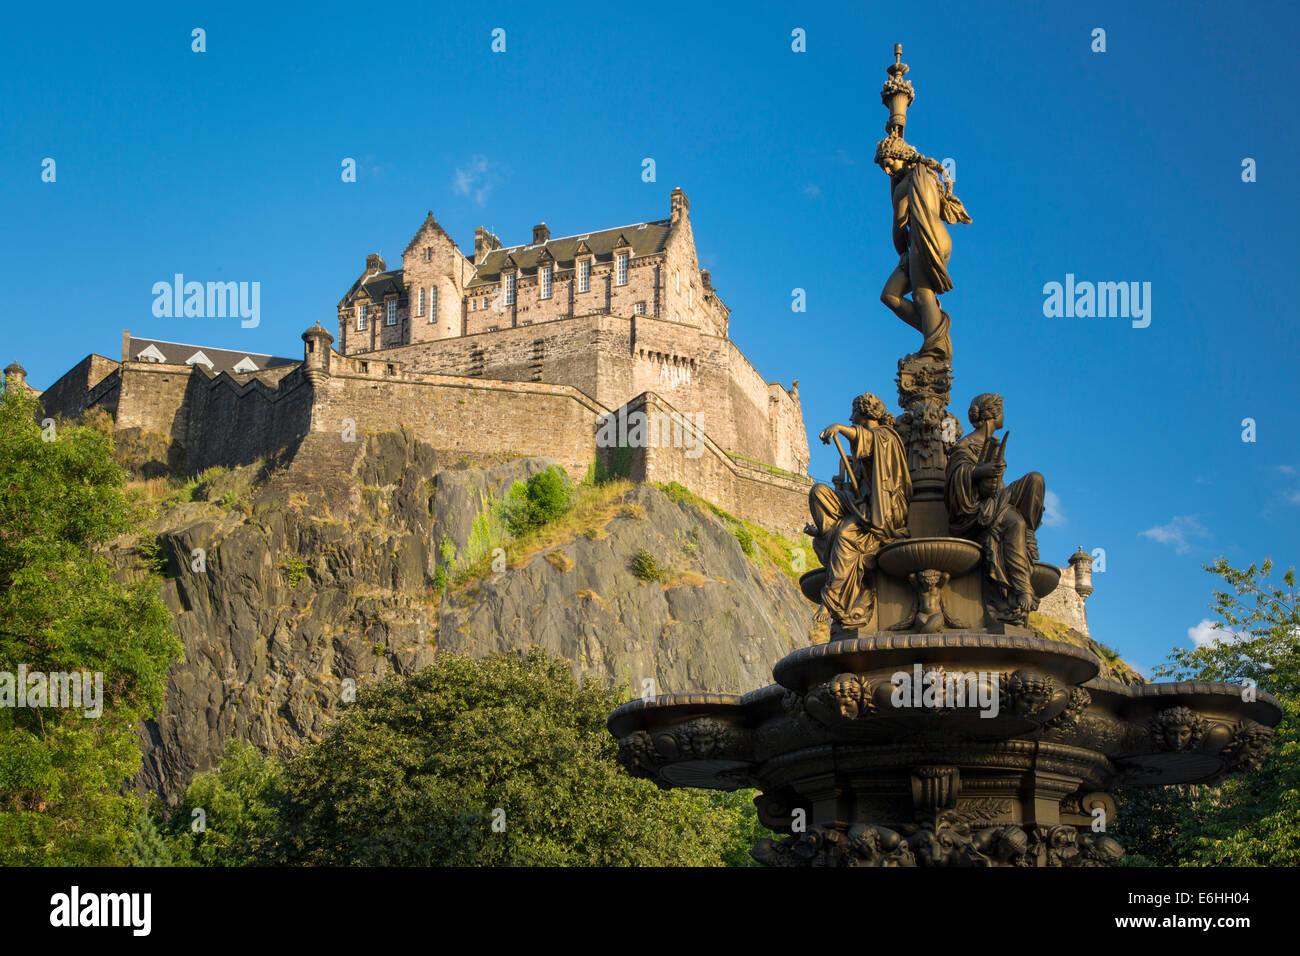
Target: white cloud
column 475, row 179
column 1177, row 531
column 812, row 191
column 1208, row 633
column 1053, row 516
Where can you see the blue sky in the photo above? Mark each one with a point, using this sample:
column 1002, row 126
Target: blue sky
column 1115, row 166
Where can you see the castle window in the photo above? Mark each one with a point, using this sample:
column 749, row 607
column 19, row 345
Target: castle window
column 428, row 253
column 622, row 268
column 639, row 308
column 420, row 304
column 361, row 318
column 433, row 303
column 584, row 275
column 678, row 276
column 508, row 287
column 546, row 282
column 473, row 305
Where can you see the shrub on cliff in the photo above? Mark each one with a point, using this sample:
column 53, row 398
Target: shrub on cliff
column 546, row 496
column 63, row 612
column 502, row 761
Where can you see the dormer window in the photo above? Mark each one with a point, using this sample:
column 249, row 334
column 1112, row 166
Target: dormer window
column 419, row 303
column 361, row 318
column 544, row 279
column 621, row 278
column 584, row 275
column 392, row 312
column 508, row 288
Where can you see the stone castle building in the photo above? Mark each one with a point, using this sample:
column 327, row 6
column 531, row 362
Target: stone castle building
column 519, row 350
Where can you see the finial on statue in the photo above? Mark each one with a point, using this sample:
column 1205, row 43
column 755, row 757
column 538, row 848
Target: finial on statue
column 897, row 93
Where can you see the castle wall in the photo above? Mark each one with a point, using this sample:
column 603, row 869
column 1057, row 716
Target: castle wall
column 1066, row 603
column 78, row 389
column 776, row 501
column 460, row 415
column 152, row 399
column 236, row 423
column 613, row 358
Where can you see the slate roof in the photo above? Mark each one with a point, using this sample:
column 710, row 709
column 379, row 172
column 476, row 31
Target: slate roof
column 645, row 238
column 377, row 286
column 223, row 360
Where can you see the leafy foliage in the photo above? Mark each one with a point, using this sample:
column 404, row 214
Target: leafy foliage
column 228, row 814
column 1251, row 819
column 545, row 497
column 646, row 567
column 419, row 769
column 63, row 610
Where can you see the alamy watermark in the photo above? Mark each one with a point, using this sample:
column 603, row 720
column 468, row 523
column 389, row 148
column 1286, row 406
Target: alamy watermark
column 212, row 300
column 937, row 689
column 1102, row 300
column 653, row 429
column 70, row 690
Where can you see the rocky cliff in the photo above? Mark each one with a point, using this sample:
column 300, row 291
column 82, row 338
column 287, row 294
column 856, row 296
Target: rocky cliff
column 366, row 560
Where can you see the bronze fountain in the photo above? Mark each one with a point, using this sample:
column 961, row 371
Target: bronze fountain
column 935, row 727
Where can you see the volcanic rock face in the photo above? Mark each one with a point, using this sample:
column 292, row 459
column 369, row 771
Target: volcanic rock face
column 332, row 573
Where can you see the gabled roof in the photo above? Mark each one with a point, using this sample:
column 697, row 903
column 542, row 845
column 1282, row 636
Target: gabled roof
column 216, row 360
column 375, row 287
column 433, row 224
column 645, row 238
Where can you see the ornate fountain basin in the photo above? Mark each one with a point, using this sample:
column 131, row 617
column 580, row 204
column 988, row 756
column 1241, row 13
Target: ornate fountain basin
column 944, row 784
column 953, row 555
column 956, row 556
column 1044, row 578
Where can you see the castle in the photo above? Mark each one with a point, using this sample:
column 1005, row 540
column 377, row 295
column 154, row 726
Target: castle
column 520, row 350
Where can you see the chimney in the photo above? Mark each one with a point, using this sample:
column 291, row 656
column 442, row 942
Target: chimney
column 15, row 377
column 541, row 233
column 484, row 242
column 679, row 206
column 375, row 263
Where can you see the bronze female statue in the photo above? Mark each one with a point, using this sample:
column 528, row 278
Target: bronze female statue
column 922, row 200
column 866, row 508
column 1001, row 518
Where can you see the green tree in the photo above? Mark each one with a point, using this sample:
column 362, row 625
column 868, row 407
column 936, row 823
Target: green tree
column 502, row 761
column 147, row 847
column 227, row 813
column 1249, row 819
column 62, row 610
